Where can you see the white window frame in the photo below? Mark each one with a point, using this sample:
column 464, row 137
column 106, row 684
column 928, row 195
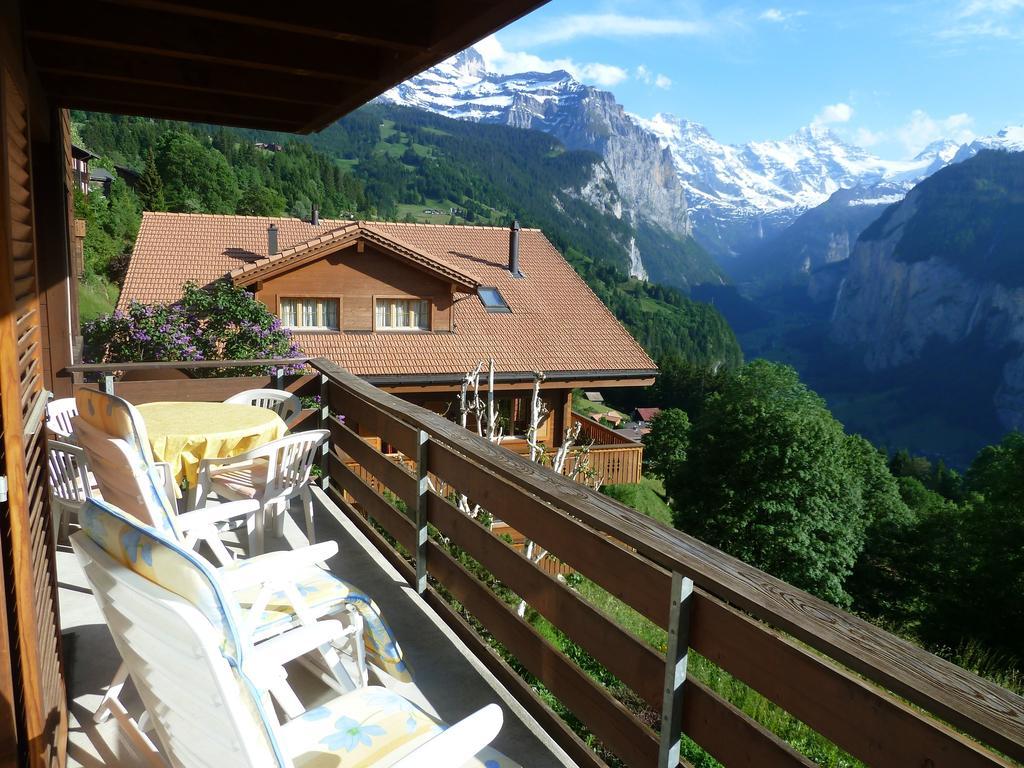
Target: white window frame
column 299, row 300
column 427, row 314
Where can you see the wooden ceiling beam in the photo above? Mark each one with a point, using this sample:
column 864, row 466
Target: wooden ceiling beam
column 120, row 66
column 145, row 32
column 408, row 30
column 73, row 91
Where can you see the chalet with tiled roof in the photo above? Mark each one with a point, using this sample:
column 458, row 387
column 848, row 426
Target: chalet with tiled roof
column 410, row 307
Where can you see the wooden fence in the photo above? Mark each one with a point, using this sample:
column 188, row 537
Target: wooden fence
column 876, row 696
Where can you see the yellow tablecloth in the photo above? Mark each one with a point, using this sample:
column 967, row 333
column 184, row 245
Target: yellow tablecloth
column 183, row 434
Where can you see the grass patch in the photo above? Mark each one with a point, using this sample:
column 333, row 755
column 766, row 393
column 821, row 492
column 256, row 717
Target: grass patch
column 647, row 496
column 96, row 296
column 585, row 407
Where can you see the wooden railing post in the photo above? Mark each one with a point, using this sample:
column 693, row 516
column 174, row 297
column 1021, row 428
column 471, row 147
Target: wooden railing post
column 675, row 671
column 325, row 413
column 279, row 377
column 422, row 497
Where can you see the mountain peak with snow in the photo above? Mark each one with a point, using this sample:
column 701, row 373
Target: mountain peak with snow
column 732, row 192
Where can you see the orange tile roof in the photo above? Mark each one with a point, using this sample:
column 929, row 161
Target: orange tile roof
column 557, row 324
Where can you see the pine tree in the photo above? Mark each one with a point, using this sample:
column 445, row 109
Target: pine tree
column 151, row 188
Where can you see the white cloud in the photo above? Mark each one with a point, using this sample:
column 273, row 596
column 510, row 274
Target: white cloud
column 778, row 16
column 646, row 76
column 921, row 129
column 985, row 18
column 833, row 113
column 571, row 27
column 866, row 138
column 503, row 61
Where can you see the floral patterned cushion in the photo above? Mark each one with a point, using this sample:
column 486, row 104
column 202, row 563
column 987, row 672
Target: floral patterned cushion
column 323, row 593
column 368, row 727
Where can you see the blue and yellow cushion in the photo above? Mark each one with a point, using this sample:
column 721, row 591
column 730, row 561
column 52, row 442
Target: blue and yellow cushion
column 323, row 593
column 118, row 419
column 161, row 560
column 364, row 728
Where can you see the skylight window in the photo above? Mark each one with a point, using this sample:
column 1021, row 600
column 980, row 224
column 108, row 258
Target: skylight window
column 492, row 300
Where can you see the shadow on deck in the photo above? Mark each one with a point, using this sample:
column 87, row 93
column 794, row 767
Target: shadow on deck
column 450, row 682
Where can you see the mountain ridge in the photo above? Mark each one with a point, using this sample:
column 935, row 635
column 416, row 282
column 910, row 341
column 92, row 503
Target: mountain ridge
column 728, row 197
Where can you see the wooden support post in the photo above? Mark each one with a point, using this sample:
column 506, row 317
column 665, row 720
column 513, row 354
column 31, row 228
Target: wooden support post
column 325, row 413
column 675, row 671
column 279, row 377
column 422, row 499
column 108, row 383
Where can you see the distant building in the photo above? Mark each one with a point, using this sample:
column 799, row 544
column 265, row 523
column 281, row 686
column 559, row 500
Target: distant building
column 270, row 147
column 594, row 397
column 633, row 432
column 80, row 166
column 645, row 416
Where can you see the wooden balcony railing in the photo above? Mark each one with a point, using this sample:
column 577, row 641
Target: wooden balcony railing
column 879, row 698
column 614, row 458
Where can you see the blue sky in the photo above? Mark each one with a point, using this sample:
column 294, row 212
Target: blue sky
column 890, row 76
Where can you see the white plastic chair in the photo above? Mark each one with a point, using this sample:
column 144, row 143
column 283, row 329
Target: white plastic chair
column 272, row 474
column 284, row 404
column 70, row 483
column 109, row 428
column 59, row 414
column 205, row 685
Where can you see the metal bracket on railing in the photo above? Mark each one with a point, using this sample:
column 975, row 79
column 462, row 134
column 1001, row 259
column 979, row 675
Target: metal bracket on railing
column 325, row 414
column 279, row 377
column 675, row 671
column 422, row 497
column 108, row 383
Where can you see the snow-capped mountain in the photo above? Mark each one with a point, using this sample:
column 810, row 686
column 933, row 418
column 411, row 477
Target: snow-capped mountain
column 670, row 170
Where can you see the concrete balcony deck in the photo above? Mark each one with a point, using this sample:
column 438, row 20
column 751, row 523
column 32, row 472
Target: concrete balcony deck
column 450, row 682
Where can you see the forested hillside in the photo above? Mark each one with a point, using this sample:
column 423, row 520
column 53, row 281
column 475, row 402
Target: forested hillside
column 396, row 163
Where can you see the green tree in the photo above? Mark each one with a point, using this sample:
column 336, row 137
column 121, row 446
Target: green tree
column 150, row 188
column 768, row 479
column 665, row 445
column 260, row 200
column 112, row 224
column 981, row 556
column 196, row 177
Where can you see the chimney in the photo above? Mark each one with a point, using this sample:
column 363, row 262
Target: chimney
column 513, row 249
column 272, row 239
column 315, row 220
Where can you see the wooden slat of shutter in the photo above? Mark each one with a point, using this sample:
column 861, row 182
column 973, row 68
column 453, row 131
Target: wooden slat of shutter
column 28, row 554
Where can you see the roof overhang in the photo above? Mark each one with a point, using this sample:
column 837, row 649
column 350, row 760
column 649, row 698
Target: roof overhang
column 426, row 382
column 257, row 63
column 346, row 237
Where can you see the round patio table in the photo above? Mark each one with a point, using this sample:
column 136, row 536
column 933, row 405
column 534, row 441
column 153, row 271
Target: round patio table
column 184, row 433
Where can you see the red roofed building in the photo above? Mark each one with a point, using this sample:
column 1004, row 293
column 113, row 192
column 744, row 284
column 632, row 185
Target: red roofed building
column 410, row 307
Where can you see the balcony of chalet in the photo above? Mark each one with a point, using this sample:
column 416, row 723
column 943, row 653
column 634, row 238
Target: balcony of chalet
column 449, row 584
column 879, row 699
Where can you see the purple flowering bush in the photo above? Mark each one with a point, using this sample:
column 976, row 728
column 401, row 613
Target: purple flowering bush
column 221, row 322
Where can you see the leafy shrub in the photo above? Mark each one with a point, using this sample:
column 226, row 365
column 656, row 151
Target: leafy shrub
column 222, row 322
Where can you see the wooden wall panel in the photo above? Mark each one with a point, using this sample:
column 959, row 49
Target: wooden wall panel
column 356, row 278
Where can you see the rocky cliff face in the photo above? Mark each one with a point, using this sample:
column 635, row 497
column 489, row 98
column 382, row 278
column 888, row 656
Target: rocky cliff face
column 888, row 310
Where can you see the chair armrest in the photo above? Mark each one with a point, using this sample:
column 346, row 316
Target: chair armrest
column 456, row 745
column 218, row 514
column 241, row 458
column 279, row 650
column 276, row 566
column 167, row 474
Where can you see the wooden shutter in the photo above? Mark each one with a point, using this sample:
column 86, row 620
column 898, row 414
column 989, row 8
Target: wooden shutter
column 26, row 541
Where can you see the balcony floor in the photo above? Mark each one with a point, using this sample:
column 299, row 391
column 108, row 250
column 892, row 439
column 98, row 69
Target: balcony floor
column 450, row 682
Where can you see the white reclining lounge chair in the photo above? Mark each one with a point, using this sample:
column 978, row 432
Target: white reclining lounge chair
column 201, row 680
column 109, row 429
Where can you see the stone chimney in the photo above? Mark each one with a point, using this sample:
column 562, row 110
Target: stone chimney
column 272, row 240
column 513, row 249
column 315, row 218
